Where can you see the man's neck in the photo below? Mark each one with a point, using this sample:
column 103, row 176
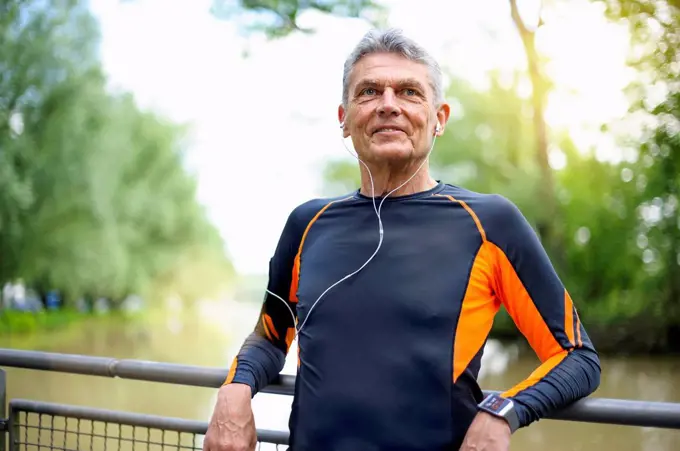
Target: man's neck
column 387, row 179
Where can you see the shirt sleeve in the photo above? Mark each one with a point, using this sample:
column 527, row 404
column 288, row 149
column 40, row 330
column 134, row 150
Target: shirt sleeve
column 262, row 355
column 542, row 309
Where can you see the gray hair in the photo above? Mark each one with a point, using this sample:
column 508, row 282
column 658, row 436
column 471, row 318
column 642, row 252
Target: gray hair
column 392, row 41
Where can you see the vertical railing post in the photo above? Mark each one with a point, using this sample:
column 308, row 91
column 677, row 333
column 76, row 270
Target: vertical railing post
column 13, row 428
column 4, row 425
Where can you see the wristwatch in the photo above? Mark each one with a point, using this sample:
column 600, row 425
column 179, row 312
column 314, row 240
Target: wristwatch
column 501, row 407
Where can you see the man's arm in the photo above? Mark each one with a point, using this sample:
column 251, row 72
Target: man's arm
column 263, row 354
column 540, row 306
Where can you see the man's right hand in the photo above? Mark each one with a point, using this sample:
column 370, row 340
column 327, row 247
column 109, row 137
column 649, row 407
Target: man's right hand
column 232, row 426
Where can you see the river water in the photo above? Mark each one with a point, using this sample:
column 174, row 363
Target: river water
column 211, row 335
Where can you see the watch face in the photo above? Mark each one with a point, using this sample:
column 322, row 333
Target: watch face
column 501, row 407
column 495, row 403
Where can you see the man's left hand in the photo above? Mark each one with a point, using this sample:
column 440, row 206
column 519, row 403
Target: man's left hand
column 487, row 433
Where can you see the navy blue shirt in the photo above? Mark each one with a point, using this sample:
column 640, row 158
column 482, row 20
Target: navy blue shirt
column 389, row 358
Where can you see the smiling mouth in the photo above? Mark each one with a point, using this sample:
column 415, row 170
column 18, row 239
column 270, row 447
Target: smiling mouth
column 386, row 130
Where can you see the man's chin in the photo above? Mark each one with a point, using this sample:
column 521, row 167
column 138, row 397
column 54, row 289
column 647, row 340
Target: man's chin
column 388, row 153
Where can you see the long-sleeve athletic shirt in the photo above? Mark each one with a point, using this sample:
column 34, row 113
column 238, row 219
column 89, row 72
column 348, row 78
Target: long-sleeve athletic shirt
column 388, row 359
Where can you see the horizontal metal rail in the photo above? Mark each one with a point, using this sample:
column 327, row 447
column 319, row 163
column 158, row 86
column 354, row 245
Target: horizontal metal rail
column 591, row 410
column 170, row 373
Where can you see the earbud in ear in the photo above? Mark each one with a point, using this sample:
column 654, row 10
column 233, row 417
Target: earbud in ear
column 342, row 125
column 438, row 128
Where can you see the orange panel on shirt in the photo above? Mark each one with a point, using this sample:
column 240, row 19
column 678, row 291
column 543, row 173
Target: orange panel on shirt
column 477, row 311
column 523, row 311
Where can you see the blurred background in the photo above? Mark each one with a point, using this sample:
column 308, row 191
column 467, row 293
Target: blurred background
column 151, row 151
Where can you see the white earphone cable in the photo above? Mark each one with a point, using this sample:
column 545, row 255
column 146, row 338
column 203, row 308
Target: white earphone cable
column 380, row 231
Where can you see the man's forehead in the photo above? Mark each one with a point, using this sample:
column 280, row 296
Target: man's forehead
column 387, row 69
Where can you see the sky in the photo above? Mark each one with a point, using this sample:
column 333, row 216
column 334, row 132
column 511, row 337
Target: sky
column 264, row 125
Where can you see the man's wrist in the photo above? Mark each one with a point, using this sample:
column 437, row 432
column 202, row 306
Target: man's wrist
column 502, row 408
column 236, row 391
column 502, row 422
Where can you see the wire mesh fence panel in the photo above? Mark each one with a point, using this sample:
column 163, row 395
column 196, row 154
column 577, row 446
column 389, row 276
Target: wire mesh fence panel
column 38, row 431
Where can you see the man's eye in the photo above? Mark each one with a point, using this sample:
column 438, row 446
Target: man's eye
column 410, row 92
column 369, row 92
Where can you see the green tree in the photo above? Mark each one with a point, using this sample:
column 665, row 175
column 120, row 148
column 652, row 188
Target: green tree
column 30, row 67
column 96, row 200
column 655, row 53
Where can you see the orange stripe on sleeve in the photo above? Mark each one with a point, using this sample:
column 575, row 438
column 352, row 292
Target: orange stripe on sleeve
column 269, row 324
column 569, row 317
column 296, row 263
column 523, row 310
column 579, row 343
column 232, row 372
column 538, row 374
column 478, row 310
column 266, row 329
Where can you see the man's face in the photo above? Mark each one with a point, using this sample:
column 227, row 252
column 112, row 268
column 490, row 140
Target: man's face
column 391, row 115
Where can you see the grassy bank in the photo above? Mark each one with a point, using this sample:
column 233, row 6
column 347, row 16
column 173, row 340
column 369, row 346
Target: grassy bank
column 17, row 323
column 13, row 322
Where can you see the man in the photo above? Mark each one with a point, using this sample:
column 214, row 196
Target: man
column 394, row 304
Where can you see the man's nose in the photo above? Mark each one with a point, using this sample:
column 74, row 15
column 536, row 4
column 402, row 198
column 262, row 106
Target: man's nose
column 388, row 104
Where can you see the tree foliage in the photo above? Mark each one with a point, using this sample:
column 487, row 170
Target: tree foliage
column 279, row 18
column 94, row 196
column 655, row 52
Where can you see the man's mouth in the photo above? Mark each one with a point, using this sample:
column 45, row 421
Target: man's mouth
column 387, row 130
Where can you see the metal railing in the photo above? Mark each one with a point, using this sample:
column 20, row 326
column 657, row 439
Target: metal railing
column 35, row 425
column 38, row 425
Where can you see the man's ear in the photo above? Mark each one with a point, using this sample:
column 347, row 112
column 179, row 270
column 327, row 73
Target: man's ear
column 443, row 113
column 342, row 118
